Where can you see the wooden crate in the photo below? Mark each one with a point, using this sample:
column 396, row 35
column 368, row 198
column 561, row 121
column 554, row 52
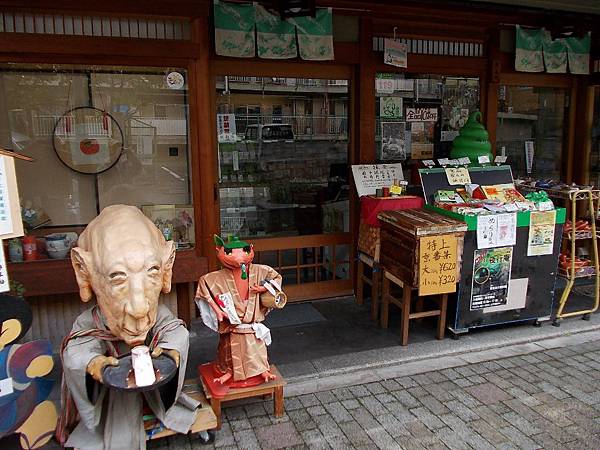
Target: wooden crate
column 369, row 240
column 401, row 232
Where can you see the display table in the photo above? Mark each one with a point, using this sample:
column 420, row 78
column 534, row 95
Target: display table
column 522, row 287
column 406, row 236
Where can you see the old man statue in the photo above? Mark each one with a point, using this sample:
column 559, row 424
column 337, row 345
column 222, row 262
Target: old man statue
column 125, row 261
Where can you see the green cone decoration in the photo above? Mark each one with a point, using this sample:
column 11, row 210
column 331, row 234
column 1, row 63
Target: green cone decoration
column 472, row 140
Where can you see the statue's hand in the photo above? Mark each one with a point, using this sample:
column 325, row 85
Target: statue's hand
column 173, row 354
column 258, row 289
column 97, row 365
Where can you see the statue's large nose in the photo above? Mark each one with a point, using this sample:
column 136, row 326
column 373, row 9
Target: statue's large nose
column 137, row 306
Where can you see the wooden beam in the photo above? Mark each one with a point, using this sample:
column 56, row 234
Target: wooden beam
column 365, row 113
column 436, row 64
column 569, row 129
column 147, row 8
column 267, row 68
column 44, row 44
column 583, row 133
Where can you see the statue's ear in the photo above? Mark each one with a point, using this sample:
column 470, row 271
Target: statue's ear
column 219, row 242
column 82, row 264
column 168, row 258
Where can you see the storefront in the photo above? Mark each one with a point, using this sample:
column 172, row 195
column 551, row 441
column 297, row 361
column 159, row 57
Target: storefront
column 145, row 84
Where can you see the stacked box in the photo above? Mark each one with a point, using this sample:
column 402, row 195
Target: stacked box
column 369, row 240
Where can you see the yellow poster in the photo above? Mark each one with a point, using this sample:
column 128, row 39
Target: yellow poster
column 437, row 265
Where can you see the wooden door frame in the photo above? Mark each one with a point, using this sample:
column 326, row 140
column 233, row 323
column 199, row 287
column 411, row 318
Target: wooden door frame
column 262, row 68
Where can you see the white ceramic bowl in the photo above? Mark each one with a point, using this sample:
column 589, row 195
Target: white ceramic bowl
column 58, row 254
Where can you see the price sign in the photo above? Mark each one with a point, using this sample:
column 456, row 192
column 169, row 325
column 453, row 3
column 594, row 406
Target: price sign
column 437, row 265
column 458, row 175
column 484, row 159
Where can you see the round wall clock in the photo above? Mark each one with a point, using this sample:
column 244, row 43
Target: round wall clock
column 88, row 140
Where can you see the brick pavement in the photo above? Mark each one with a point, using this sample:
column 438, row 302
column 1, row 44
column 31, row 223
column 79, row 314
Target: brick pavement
column 548, row 399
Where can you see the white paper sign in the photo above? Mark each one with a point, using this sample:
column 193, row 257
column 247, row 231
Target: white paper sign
column 384, row 85
column 458, row 176
column 6, row 219
column 369, row 177
column 421, row 114
column 464, row 161
column 226, row 128
column 4, row 284
column 6, row 387
column 496, row 230
column 448, row 135
column 395, row 53
column 483, row 159
column 229, row 308
column 529, row 153
column 428, row 162
column 500, row 159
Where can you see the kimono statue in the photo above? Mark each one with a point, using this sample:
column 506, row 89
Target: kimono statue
column 230, row 303
column 26, row 411
column 125, row 261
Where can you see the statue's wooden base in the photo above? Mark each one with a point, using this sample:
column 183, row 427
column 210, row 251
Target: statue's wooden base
column 216, row 395
column 205, row 420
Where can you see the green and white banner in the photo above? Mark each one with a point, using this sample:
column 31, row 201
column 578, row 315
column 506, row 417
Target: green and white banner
column 579, row 54
column 234, row 29
column 528, row 52
column 276, row 38
column 555, row 54
column 315, row 35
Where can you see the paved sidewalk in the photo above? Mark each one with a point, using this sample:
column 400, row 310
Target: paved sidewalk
column 548, row 396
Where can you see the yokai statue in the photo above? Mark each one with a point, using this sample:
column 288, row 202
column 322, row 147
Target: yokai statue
column 24, row 389
column 125, row 261
column 234, row 301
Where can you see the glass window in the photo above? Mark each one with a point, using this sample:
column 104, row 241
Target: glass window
column 404, row 137
column 75, row 119
column 533, row 117
column 283, row 155
column 595, row 149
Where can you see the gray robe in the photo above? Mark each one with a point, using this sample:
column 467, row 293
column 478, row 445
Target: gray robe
column 114, row 420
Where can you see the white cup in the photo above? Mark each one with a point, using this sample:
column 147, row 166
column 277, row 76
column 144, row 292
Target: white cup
column 142, row 366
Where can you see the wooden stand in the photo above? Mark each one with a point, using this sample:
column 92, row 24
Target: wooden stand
column 274, row 388
column 404, row 305
column 374, row 281
column 206, row 418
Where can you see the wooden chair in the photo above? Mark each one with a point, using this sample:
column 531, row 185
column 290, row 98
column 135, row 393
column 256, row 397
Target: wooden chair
column 404, row 305
column 374, row 281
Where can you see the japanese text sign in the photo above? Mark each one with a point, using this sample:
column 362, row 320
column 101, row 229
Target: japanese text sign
column 421, row 114
column 369, row 177
column 458, row 175
column 437, row 264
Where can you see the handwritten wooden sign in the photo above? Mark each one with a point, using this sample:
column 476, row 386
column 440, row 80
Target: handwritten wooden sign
column 437, row 264
column 458, row 175
column 421, row 114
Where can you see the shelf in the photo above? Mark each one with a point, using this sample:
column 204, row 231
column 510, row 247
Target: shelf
column 579, row 235
column 516, row 116
column 56, row 276
column 565, row 194
column 584, row 272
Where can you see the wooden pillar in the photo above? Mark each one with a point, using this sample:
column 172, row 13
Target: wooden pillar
column 492, row 82
column 583, row 132
column 202, row 131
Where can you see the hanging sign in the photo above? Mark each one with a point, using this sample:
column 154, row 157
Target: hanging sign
column 541, row 233
column 395, row 53
column 458, row 176
column 369, row 177
column 529, row 153
column 437, row 264
column 390, row 107
column 226, row 128
column 421, row 114
column 496, row 230
column 491, row 277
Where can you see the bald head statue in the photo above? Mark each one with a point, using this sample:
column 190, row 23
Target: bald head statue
column 124, row 259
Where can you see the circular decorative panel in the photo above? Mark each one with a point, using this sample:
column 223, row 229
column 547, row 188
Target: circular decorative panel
column 88, row 140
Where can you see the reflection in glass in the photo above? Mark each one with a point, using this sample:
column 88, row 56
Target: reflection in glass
column 537, row 115
column 283, row 155
column 595, row 150
column 152, row 168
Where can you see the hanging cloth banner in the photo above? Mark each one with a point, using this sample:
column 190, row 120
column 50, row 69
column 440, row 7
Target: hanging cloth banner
column 234, row 29
column 276, row 38
column 315, row 35
column 528, row 52
column 555, row 54
column 579, row 54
